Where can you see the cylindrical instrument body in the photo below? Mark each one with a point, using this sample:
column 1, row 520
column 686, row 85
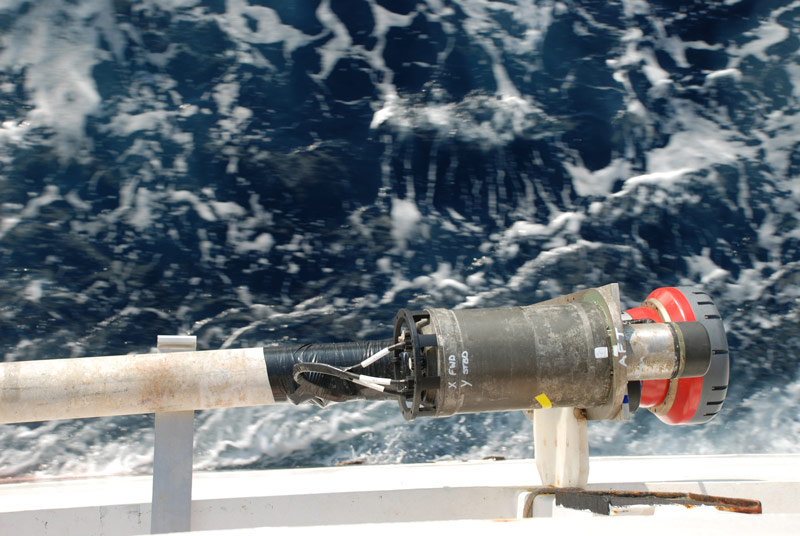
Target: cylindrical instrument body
column 513, row 358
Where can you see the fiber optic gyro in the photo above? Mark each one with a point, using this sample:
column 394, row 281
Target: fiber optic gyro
column 580, row 350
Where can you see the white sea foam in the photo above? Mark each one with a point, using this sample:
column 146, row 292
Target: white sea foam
column 269, row 28
column 406, row 219
column 31, row 210
column 599, row 182
column 57, row 63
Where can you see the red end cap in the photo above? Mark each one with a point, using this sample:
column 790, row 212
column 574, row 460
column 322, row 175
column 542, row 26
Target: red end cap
column 644, row 313
column 653, row 392
column 687, row 397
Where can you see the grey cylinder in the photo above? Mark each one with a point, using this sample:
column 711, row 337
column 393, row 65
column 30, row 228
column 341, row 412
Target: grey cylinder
column 521, row 358
column 658, row 351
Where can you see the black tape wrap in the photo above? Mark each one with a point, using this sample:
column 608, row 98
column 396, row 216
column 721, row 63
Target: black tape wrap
column 322, row 388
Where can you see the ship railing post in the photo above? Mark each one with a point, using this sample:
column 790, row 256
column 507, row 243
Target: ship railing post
column 561, row 447
column 172, row 457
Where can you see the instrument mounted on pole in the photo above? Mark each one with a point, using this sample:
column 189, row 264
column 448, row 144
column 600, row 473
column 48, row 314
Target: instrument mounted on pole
column 576, row 351
column 566, row 360
column 669, row 355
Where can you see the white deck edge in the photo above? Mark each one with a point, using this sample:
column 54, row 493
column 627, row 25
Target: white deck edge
column 443, row 495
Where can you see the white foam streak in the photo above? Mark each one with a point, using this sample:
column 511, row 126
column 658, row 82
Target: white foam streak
column 704, row 271
column 767, row 34
column 512, row 113
column 483, row 30
column 269, row 28
column 731, row 73
column 698, row 145
column 406, row 219
column 12, row 132
column 57, row 62
column 334, row 48
column 31, row 210
column 696, row 148
column 202, row 209
column 599, row 182
column 125, row 124
column 511, row 117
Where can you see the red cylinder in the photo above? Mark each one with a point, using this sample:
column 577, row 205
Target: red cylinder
column 668, row 304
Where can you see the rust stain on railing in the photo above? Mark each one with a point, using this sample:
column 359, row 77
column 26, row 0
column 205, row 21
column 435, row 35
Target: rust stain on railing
column 604, row 501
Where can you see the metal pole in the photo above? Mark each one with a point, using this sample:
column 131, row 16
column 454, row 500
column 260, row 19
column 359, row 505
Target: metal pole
column 172, row 458
column 53, row 389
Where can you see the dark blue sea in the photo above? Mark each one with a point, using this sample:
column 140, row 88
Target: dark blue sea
column 263, row 171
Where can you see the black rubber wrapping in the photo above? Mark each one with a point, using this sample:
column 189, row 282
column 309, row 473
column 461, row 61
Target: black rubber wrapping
column 280, row 361
column 697, row 347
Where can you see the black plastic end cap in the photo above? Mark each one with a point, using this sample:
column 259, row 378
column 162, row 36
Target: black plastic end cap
column 697, row 346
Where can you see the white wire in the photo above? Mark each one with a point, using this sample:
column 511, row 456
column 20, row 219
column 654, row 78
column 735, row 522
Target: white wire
column 376, row 356
column 369, row 385
column 375, row 380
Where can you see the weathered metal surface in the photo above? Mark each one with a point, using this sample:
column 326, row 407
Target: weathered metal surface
column 654, row 351
column 607, row 298
column 509, row 358
column 129, row 384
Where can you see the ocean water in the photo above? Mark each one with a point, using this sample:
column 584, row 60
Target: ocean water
column 264, row 171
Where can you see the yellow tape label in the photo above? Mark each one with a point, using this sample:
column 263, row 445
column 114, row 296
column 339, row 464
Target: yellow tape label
column 544, row 401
